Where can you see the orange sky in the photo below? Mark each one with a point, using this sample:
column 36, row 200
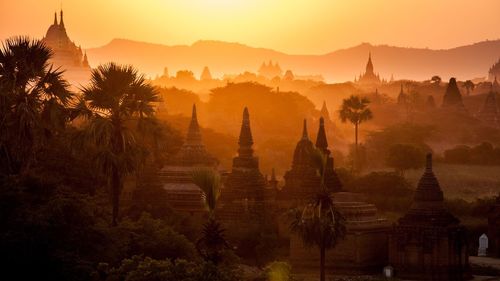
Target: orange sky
column 292, row 26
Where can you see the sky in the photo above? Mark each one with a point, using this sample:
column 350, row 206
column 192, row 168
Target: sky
column 291, row 26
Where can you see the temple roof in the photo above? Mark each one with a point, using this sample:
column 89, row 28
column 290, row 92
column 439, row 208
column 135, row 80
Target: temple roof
column 193, row 152
column 490, row 113
column 302, row 153
column 428, row 206
column 324, row 112
column 245, row 140
column 321, row 141
column 452, row 96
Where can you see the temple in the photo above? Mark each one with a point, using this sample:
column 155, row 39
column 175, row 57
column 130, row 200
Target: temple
column 245, row 190
column 369, row 77
column 183, row 194
column 302, row 180
column 66, row 54
column 494, row 71
column 270, row 70
column 428, row 243
column 453, row 98
column 325, row 113
column 494, row 229
column 365, row 247
column 402, row 97
column 489, row 113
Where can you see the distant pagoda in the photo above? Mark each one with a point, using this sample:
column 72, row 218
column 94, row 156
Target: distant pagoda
column 489, row 114
column 66, row 54
column 270, row 70
column 402, row 97
column 428, row 242
column 176, row 176
column 245, row 190
column 453, row 98
column 325, row 113
column 494, row 71
column 302, row 180
column 369, row 77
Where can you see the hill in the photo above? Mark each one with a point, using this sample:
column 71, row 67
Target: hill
column 465, row 62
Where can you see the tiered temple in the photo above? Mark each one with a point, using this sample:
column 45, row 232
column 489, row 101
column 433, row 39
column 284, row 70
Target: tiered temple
column 183, row 194
column 245, row 189
column 366, row 241
column 302, row 180
column 67, row 55
column 489, row 114
column 428, row 243
column 369, row 77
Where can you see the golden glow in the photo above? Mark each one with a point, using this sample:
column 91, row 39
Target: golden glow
column 293, row 26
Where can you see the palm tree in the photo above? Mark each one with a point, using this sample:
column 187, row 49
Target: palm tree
column 319, row 223
column 355, row 110
column 116, row 97
column 33, row 102
column 469, row 86
column 212, row 243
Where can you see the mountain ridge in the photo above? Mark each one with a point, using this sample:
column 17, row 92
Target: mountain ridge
column 464, row 62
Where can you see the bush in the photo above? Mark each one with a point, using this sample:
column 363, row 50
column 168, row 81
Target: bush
column 403, row 157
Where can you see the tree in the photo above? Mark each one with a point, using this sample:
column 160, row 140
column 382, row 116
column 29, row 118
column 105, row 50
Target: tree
column 403, row 157
column 469, row 86
column 116, row 97
column 355, row 110
column 436, row 80
column 319, row 223
column 34, row 100
column 212, row 243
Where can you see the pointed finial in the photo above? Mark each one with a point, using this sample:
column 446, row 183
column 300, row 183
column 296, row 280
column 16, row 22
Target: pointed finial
column 246, row 115
column 321, row 141
column 194, row 117
column 62, row 19
column 428, row 163
column 55, row 18
column 305, row 135
column 245, row 139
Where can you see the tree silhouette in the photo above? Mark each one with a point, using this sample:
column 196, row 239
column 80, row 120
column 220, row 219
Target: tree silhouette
column 212, row 243
column 34, row 100
column 469, row 86
column 355, row 110
column 436, row 80
column 116, row 97
column 319, row 223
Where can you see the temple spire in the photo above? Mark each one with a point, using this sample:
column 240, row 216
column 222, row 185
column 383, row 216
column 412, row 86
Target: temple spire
column 321, row 141
column 428, row 163
column 62, row 19
column 305, row 135
column 245, row 140
column 55, row 18
column 194, row 135
column 369, row 65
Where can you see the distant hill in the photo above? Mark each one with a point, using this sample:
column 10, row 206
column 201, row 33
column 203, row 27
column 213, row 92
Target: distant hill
column 465, row 62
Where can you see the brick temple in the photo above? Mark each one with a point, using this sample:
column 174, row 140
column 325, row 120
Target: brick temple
column 428, row 243
column 176, row 176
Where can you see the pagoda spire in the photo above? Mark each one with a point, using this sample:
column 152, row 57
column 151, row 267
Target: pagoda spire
column 321, row 141
column 305, row 135
column 324, row 112
column 62, row 19
column 369, row 65
column 245, row 140
column 194, row 135
column 55, row 18
column 428, row 189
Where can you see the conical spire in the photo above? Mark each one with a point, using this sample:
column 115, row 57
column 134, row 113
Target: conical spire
column 369, row 65
column 193, row 135
column 62, row 19
column 245, row 139
column 428, row 189
column 321, row 141
column 55, row 18
column 305, row 135
column 324, row 112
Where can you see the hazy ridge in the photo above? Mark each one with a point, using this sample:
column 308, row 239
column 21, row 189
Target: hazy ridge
column 464, row 62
